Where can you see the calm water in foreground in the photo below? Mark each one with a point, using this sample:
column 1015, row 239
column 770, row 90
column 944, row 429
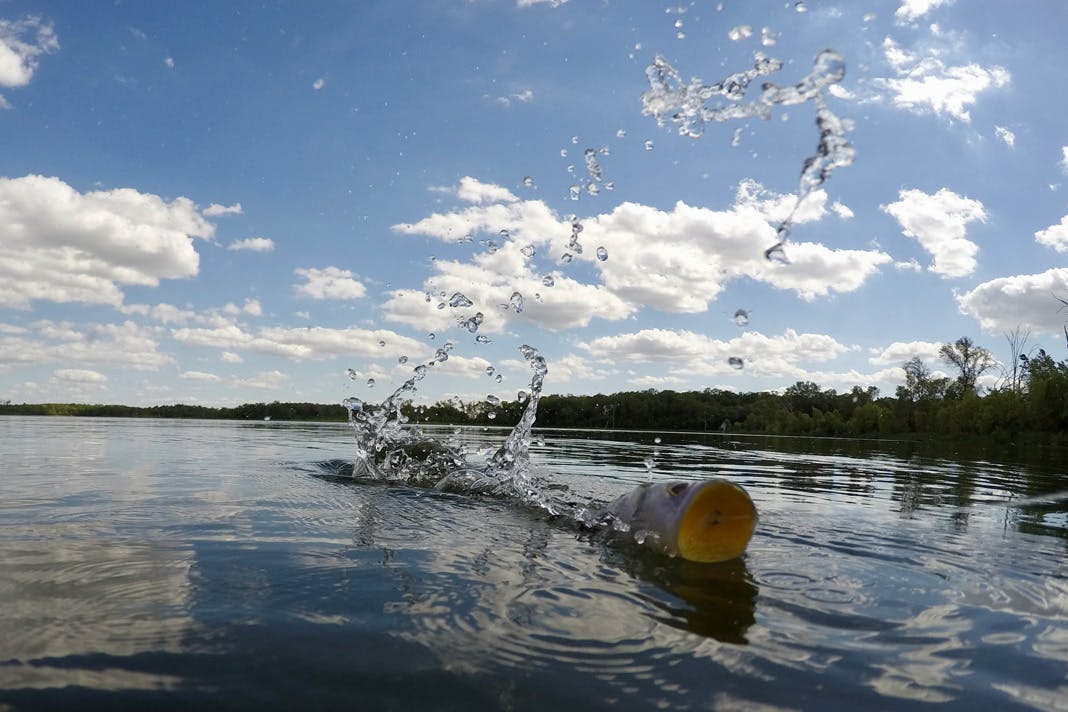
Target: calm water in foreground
column 175, row 563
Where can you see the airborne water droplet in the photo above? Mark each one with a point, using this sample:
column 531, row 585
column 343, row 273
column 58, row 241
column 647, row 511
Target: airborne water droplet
column 353, row 373
column 649, row 463
column 800, row 6
column 741, row 317
column 776, row 253
column 602, row 254
column 402, row 359
column 382, row 344
column 482, row 339
column 516, row 302
column 352, row 403
column 521, row 397
column 419, row 372
column 736, row 363
column 574, row 192
column 528, row 251
column 498, row 378
column 431, row 336
column 621, row 133
column 648, row 145
column 548, row 280
column 370, row 383
column 528, row 182
column 459, row 300
column 491, row 415
column 563, row 153
column 493, row 400
column 566, row 257
column 740, row 32
column 656, row 440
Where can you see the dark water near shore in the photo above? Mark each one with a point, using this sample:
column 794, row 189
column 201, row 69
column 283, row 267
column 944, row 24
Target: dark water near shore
column 178, row 563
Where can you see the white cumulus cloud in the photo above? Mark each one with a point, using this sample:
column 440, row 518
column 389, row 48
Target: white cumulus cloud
column 329, row 283
column 1025, row 300
column 939, row 223
column 676, row 261
column 912, row 10
column 60, row 245
column 79, row 375
column 926, row 83
column 1054, row 236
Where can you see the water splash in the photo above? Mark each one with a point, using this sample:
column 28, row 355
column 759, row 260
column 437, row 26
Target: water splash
column 387, row 448
column 689, row 107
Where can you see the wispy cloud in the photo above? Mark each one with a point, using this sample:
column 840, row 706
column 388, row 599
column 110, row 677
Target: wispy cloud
column 253, row 244
column 22, row 42
column 215, row 210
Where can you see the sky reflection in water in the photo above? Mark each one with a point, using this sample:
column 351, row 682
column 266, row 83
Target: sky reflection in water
column 177, row 563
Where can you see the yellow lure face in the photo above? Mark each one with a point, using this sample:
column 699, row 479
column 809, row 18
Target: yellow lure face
column 717, row 524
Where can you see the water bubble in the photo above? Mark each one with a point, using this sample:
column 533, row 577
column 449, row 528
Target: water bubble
column 459, row 300
column 602, row 253
column 741, row 317
column 352, row 373
column 528, row 182
column 574, row 192
column 370, row 383
column 648, row 145
column 498, row 378
column 548, row 280
column 736, row 363
column 621, row 133
column 493, row 400
column 483, row 339
column 516, row 302
column 740, row 32
column 402, row 360
column 527, row 251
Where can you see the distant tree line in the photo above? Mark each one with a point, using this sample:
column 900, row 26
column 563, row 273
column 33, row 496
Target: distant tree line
column 1032, row 397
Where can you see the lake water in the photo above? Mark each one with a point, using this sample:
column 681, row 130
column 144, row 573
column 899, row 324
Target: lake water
column 155, row 564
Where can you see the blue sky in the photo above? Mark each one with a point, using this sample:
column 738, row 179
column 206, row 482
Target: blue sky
column 221, row 203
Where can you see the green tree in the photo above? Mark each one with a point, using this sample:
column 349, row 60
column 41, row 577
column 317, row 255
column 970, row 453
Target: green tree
column 971, row 360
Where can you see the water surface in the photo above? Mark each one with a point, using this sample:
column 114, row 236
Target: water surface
column 171, row 563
